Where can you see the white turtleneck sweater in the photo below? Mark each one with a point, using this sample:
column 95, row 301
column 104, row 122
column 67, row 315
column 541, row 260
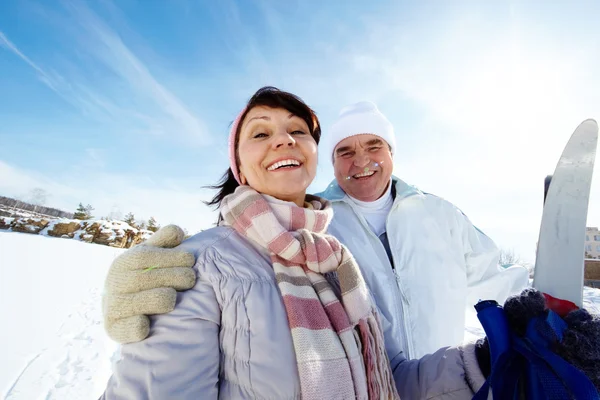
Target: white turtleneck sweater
column 375, row 213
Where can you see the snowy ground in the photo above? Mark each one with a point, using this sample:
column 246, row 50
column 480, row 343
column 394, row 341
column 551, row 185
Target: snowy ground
column 53, row 343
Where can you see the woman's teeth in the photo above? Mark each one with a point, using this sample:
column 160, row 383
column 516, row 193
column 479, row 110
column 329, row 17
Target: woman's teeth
column 284, row 163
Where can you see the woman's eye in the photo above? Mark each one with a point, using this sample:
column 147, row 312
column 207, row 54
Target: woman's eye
column 259, row 135
column 298, row 133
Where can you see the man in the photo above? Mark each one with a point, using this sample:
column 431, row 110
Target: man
column 422, row 259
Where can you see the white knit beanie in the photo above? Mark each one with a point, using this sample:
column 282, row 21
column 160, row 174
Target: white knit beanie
column 360, row 118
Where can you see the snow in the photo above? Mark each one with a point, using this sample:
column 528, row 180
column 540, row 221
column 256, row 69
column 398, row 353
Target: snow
column 53, row 342
column 51, row 224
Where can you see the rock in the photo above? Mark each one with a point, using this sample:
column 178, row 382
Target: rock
column 29, row 225
column 5, row 222
column 86, row 237
column 64, row 229
column 109, row 233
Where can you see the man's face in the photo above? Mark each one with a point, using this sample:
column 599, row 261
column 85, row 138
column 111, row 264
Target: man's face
column 363, row 166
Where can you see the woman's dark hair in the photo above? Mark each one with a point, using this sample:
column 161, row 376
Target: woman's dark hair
column 272, row 97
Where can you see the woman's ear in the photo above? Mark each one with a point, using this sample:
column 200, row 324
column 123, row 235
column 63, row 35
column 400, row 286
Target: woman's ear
column 242, row 178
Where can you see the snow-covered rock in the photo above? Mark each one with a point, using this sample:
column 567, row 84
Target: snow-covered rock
column 109, row 233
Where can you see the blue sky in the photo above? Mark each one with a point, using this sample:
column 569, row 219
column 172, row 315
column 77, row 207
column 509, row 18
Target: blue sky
column 126, row 104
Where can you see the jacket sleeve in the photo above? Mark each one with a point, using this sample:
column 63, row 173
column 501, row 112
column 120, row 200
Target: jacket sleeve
column 450, row 373
column 486, row 279
column 180, row 359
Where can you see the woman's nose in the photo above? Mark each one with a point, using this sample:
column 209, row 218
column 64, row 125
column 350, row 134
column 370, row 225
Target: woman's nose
column 283, row 139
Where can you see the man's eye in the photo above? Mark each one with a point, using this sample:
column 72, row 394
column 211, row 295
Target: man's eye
column 346, row 155
column 374, row 148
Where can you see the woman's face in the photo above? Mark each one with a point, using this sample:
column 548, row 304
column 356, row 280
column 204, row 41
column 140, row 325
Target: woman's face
column 278, row 155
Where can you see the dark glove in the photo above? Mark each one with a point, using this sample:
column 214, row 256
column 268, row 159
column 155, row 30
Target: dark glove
column 580, row 344
column 482, row 352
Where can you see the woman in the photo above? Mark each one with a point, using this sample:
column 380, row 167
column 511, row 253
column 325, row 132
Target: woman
column 261, row 320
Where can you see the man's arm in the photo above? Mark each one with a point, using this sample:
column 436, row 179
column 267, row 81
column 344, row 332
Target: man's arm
column 486, row 279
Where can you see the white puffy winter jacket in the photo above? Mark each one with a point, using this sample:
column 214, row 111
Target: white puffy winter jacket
column 442, row 265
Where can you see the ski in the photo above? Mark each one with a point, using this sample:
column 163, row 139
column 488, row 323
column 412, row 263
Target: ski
column 559, row 264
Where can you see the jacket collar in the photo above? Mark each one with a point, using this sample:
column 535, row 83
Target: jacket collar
column 334, row 192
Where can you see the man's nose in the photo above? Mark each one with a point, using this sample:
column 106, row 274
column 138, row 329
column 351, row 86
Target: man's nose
column 361, row 160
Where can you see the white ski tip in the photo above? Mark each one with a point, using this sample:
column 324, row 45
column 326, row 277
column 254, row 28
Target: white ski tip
column 591, row 122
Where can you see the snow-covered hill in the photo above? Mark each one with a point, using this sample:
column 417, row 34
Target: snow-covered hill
column 53, row 342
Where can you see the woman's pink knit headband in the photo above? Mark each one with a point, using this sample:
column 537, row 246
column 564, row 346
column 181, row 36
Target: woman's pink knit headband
column 232, row 136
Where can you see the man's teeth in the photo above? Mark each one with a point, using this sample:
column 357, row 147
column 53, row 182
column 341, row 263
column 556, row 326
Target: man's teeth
column 284, row 163
column 363, row 174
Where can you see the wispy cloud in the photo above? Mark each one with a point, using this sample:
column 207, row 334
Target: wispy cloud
column 135, row 98
column 95, row 157
column 53, row 82
column 109, row 48
column 482, row 98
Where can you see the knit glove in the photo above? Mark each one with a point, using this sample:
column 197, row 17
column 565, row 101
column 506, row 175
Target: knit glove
column 580, row 344
column 143, row 281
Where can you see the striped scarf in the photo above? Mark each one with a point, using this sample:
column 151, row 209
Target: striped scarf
column 338, row 342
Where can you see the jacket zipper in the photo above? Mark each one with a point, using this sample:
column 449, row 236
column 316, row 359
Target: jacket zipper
column 406, row 335
column 409, row 349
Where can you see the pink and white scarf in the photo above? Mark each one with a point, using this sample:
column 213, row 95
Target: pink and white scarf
column 338, row 343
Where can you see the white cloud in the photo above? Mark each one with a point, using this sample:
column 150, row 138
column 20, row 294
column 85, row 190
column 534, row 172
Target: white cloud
column 495, row 100
column 169, row 201
column 108, row 47
column 499, row 103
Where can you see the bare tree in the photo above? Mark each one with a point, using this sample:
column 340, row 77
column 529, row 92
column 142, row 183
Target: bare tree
column 509, row 257
column 115, row 213
column 37, row 197
column 15, row 205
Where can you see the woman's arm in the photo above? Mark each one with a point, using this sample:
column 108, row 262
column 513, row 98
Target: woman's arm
column 444, row 375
